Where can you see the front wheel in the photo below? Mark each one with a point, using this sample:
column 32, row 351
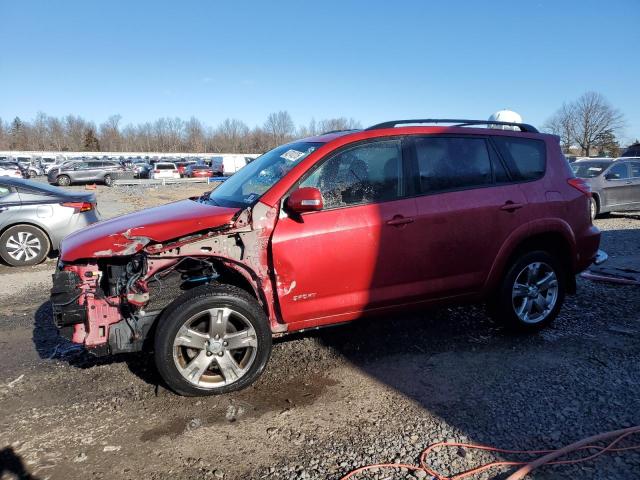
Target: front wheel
column 593, row 208
column 108, row 181
column 532, row 292
column 213, row 339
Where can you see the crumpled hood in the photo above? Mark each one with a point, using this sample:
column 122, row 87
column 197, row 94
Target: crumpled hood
column 128, row 234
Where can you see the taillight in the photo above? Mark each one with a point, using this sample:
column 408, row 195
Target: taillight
column 580, row 184
column 79, row 206
column 156, row 171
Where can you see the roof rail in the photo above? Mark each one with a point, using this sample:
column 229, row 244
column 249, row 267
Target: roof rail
column 340, row 131
column 524, row 127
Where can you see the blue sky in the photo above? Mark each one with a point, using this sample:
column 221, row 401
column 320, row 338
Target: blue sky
column 370, row 60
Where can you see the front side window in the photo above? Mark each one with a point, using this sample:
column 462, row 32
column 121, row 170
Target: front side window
column 526, row 158
column 4, row 191
column 365, row 173
column 450, row 163
column 618, row 172
column 635, row 169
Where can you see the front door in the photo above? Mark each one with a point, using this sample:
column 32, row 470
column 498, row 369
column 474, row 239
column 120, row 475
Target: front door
column 356, row 254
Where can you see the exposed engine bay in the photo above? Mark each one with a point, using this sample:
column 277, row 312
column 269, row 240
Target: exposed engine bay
column 110, row 303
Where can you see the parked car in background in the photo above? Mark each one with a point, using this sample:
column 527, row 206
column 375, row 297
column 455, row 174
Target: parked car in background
column 9, row 169
column 325, row 230
column 85, row 171
column 615, row 184
column 199, row 170
column 164, row 170
column 11, row 165
column 140, row 168
column 182, row 166
column 35, row 217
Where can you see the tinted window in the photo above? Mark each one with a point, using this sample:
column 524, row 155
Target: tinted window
column 447, row 163
column 94, row 164
column 525, row 157
column 589, row 169
column 362, row 174
column 164, row 166
column 618, row 172
column 635, row 169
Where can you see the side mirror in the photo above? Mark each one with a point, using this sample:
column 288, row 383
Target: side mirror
column 306, row 199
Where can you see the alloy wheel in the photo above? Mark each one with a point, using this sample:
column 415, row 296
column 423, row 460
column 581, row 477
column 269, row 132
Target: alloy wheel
column 215, row 347
column 535, row 292
column 23, row 246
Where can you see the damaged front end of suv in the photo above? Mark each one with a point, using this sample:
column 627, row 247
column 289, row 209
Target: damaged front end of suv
column 114, row 279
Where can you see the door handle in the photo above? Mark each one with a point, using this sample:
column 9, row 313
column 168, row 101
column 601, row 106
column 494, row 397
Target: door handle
column 399, row 220
column 510, row 206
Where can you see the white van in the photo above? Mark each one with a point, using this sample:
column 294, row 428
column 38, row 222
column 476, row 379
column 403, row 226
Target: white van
column 231, row 163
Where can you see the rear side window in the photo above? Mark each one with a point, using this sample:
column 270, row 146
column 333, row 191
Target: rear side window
column 618, row 172
column 366, row 173
column 635, row 169
column 526, row 158
column 449, row 163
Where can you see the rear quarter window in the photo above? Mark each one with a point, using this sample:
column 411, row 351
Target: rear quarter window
column 526, row 158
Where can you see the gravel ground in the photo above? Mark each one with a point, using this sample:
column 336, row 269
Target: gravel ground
column 330, row 401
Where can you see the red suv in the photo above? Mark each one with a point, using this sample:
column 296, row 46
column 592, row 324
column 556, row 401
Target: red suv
column 326, row 230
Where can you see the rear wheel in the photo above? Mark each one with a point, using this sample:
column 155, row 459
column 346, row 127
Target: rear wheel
column 24, row 245
column 593, row 208
column 531, row 293
column 214, row 339
column 108, row 181
column 63, row 181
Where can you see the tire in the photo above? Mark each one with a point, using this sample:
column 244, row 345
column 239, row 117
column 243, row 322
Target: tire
column 33, row 174
column 189, row 356
column 108, row 181
column 593, row 208
column 63, row 181
column 520, row 303
column 24, row 245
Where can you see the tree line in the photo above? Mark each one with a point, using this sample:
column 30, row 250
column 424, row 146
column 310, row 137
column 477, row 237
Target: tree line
column 74, row 133
column 587, row 125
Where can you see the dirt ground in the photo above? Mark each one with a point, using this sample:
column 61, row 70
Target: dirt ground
column 329, row 401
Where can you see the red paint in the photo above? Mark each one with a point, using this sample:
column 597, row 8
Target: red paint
column 158, row 224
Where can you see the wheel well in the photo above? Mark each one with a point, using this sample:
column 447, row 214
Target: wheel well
column 553, row 243
column 231, row 276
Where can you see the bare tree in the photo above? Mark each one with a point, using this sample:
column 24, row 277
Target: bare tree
column 594, row 116
column 230, row 136
column 109, row 134
column 563, row 124
column 340, row 123
column 280, row 127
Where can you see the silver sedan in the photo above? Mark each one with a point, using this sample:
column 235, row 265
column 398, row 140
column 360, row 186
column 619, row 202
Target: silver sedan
column 35, row 217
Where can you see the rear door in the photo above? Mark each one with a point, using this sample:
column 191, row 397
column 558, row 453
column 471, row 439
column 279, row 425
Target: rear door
column 466, row 208
column 359, row 252
column 617, row 188
column 634, row 192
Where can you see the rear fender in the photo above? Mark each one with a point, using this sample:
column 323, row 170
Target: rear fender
column 519, row 237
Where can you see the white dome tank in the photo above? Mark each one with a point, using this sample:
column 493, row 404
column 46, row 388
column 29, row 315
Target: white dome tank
column 505, row 116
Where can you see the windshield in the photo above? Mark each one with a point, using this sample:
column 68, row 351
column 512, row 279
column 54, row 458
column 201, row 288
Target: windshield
column 589, row 169
column 250, row 182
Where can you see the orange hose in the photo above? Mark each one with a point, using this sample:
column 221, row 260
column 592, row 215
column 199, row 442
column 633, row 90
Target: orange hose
column 549, row 457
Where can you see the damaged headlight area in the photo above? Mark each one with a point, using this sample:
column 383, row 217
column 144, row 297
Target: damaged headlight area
column 111, row 306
